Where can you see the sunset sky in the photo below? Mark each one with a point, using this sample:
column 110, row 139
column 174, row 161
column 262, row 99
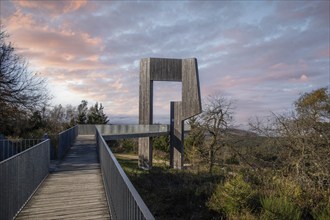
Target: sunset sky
column 263, row 54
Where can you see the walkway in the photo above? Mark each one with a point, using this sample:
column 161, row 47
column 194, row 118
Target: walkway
column 74, row 190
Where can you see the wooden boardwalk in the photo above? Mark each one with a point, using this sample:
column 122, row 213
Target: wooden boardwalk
column 74, row 190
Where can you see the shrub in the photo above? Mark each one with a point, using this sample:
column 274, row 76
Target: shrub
column 234, row 198
column 123, row 146
column 322, row 213
column 161, row 143
column 280, row 199
column 287, row 188
column 279, row 208
column 128, row 145
column 232, row 160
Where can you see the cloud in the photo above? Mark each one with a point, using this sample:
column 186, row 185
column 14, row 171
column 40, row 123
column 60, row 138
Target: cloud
column 55, row 47
column 51, row 7
column 303, row 77
column 261, row 53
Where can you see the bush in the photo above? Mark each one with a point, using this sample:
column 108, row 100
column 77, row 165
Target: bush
column 322, row 213
column 232, row 160
column 281, row 198
column 235, row 198
column 279, row 208
column 123, row 146
column 161, row 143
column 128, row 146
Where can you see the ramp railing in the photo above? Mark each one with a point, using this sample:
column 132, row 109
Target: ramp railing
column 20, row 176
column 123, row 199
column 10, row 147
column 65, row 140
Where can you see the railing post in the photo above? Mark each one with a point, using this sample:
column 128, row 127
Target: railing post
column 2, row 148
column 51, row 148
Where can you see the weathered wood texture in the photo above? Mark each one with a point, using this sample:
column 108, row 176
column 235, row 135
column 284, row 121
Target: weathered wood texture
column 191, row 98
column 145, row 153
column 176, row 136
column 162, row 69
column 74, row 191
column 145, row 93
column 145, row 113
column 165, row 69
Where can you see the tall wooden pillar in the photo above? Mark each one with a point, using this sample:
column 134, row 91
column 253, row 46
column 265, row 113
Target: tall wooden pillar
column 176, row 136
column 145, row 113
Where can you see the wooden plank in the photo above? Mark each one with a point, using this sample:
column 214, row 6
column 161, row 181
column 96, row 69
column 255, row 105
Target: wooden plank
column 74, row 191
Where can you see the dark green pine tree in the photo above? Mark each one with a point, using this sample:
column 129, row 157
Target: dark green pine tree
column 82, row 112
column 96, row 115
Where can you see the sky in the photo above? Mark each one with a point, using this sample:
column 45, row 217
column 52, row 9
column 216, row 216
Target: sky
column 262, row 54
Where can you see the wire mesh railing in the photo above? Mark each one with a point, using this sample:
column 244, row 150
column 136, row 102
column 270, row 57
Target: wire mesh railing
column 65, row 141
column 11, row 147
column 123, row 199
column 20, row 176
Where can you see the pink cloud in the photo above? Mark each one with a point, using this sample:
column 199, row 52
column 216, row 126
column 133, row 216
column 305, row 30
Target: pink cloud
column 303, row 77
column 54, row 47
column 324, row 53
column 18, row 20
column 51, row 6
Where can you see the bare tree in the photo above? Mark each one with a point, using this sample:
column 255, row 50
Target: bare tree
column 216, row 118
column 194, row 142
column 302, row 137
column 21, row 91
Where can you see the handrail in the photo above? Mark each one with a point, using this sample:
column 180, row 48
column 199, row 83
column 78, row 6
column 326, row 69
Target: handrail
column 65, row 140
column 123, row 199
column 20, row 176
column 11, row 147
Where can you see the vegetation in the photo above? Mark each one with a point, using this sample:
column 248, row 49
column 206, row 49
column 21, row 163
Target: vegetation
column 24, row 107
column 234, row 198
column 128, row 146
column 278, row 171
column 21, row 90
column 215, row 121
column 172, row 194
column 93, row 115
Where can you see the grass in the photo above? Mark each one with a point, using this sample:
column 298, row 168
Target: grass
column 172, row 194
column 185, row 194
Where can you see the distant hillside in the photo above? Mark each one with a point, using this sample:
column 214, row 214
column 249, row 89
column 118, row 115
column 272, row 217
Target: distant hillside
column 242, row 133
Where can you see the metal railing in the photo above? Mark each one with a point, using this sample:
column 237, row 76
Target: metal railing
column 123, row 199
column 11, row 147
column 20, row 176
column 131, row 129
column 122, row 130
column 86, row 129
column 53, row 145
column 65, row 140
